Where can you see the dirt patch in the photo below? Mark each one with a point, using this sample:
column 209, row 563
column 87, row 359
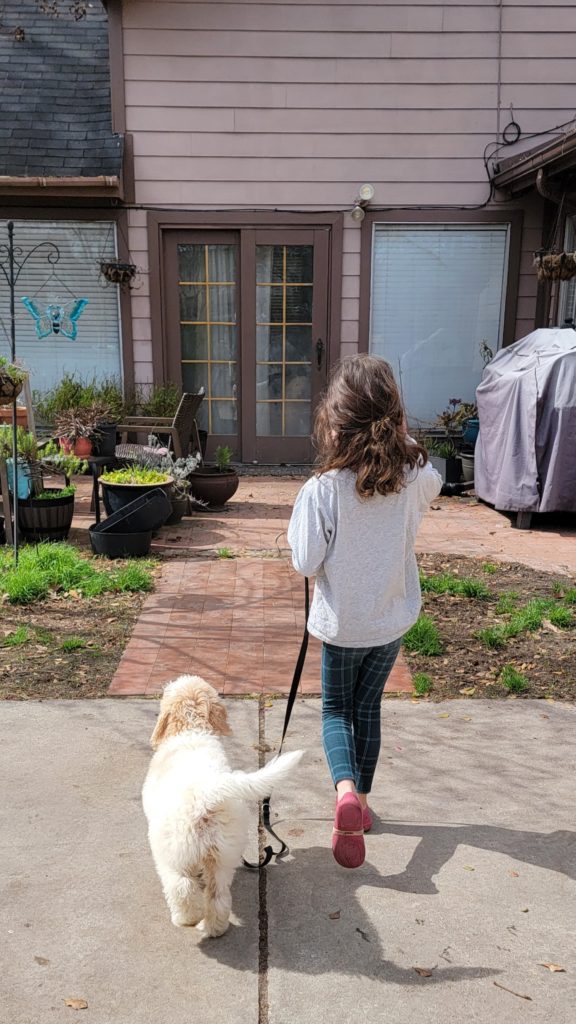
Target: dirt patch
column 545, row 657
column 97, row 629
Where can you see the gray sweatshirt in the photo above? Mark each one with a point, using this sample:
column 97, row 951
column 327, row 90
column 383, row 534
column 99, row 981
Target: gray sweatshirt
column 361, row 551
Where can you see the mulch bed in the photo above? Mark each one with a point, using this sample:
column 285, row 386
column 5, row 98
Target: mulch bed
column 40, row 668
column 547, row 657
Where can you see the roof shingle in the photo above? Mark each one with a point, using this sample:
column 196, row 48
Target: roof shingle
column 55, row 95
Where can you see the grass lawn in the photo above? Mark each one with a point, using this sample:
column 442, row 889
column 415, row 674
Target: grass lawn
column 493, row 630
column 65, row 620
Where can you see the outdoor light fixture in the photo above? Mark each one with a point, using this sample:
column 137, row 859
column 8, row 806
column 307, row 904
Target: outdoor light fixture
column 365, row 194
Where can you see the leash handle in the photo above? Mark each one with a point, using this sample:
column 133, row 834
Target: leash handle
column 269, row 851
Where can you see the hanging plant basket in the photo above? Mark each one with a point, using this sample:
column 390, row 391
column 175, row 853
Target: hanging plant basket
column 9, row 388
column 118, row 272
column 555, row 266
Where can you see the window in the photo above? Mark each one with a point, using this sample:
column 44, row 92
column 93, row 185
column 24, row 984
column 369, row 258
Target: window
column 96, row 351
column 437, row 297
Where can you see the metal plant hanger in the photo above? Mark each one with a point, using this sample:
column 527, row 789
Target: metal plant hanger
column 54, row 319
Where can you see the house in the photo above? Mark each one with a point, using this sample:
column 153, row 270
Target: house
column 298, row 182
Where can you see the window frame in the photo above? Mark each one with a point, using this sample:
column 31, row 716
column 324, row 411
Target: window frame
column 432, row 218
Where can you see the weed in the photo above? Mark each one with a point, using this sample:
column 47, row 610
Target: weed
column 225, row 553
column 512, row 679
column 570, row 595
column 507, row 602
column 489, row 568
column 562, row 617
column 16, row 639
column 72, row 643
column 493, row 636
column 447, row 583
column 558, row 588
column 43, row 636
column 422, row 684
column 423, row 637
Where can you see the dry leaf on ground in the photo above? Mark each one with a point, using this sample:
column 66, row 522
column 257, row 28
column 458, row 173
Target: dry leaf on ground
column 295, row 831
column 335, row 916
column 41, row 960
column 555, row 968
column 76, row 1004
column 423, row 972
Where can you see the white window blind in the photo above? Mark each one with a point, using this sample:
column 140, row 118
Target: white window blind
column 437, row 294
column 96, row 352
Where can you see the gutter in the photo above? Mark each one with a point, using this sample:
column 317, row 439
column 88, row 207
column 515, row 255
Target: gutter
column 101, row 181
column 523, row 173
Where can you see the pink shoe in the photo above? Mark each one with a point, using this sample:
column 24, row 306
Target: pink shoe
column 367, row 821
column 348, row 834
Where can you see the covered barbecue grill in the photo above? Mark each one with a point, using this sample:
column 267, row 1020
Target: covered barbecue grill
column 525, row 457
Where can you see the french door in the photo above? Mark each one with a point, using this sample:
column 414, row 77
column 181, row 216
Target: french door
column 246, row 317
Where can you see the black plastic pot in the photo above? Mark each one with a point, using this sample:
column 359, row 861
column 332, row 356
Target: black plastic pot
column 147, row 513
column 104, row 442
column 213, row 485
column 450, row 469
column 117, row 496
column 46, row 519
column 120, row 545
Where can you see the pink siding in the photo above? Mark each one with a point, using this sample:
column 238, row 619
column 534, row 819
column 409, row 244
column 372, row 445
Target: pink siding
column 294, row 104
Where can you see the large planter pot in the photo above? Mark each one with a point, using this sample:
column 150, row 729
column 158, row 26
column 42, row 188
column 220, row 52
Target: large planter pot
column 9, row 389
column 120, row 545
column 467, row 467
column 42, row 519
column 104, row 442
column 116, row 496
column 179, row 510
column 450, row 469
column 213, row 485
column 21, row 415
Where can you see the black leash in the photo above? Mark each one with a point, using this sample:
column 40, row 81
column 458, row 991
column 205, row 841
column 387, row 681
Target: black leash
column 269, row 851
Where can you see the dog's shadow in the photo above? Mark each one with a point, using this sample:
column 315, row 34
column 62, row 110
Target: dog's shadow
column 312, row 918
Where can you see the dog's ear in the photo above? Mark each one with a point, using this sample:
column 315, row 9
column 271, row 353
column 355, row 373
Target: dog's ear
column 218, row 719
column 160, row 729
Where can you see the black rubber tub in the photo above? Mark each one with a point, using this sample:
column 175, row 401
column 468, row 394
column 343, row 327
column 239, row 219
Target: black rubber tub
column 120, row 545
column 146, row 513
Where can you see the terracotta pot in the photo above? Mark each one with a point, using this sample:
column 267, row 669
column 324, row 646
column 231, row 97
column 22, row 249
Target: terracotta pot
column 21, row 415
column 213, row 485
column 81, row 447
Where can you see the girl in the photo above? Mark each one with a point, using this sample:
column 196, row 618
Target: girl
column 353, row 527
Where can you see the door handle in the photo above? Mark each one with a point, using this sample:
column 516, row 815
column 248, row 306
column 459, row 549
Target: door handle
column 319, row 352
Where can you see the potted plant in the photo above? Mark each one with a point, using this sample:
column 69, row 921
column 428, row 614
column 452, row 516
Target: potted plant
column 445, row 459
column 12, row 380
column 44, row 513
column 78, row 426
column 117, row 271
column 157, row 456
column 215, row 485
column 121, row 486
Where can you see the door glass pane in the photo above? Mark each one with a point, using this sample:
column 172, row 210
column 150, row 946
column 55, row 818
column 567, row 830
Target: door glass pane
column 284, row 297
column 209, row 330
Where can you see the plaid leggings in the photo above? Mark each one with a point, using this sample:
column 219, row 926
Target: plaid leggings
column 353, row 680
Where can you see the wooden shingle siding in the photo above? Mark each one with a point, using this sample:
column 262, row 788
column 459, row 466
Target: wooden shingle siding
column 268, row 103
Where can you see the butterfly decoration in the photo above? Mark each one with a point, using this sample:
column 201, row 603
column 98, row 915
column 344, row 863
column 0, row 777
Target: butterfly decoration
column 55, row 318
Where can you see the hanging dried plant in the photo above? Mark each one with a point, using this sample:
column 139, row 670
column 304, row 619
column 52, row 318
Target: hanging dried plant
column 78, row 9
column 555, row 266
column 118, row 272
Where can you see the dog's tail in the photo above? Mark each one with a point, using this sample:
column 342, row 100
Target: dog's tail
column 255, row 785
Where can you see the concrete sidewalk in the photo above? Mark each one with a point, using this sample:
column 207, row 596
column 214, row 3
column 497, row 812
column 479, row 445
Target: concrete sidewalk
column 470, row 875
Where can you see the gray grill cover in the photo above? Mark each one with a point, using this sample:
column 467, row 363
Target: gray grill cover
column 525, row 457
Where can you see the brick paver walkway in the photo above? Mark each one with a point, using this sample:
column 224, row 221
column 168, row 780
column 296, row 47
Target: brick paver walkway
column 238, row 621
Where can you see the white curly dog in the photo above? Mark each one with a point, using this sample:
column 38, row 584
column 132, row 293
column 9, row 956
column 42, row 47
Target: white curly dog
column 196, row 806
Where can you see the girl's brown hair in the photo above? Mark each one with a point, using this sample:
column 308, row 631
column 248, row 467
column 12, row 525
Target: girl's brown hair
column 360, row 425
